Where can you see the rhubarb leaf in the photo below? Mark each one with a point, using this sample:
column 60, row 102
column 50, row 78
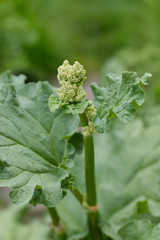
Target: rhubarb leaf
column 117, row 98
column 127, row 174
column 32, row 142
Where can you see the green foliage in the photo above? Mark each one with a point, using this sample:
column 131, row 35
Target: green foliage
column 127, row 176
column 117, row 98
column 147, row 58
column 73, row 108
column 76, row 108
column 77, row 141
column 37, row 146
column 32, row 142
column 141, row 229
column 131, row 158
column 54, row 103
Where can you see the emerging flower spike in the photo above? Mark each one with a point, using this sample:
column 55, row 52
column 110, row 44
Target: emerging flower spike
column 71, row 95
column 71, row 79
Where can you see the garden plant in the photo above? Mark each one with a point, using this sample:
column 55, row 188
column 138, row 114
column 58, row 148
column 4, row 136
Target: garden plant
column 47, row 137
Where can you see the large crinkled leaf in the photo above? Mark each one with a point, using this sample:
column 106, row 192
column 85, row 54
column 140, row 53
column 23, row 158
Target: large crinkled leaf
column 13, row 228
column 127, row 173
column 117, row 98
column 32, row 142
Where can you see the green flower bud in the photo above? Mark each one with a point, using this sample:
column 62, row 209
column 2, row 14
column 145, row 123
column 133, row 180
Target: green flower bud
column 89, row 130
column 71, row 92
column 91, row 111
column 80, row 93
column 71, row 73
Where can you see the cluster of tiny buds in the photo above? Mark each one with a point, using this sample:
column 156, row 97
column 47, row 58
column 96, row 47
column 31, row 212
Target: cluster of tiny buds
column 71, row 78
column 89, row 130
column 71, row 73
column 90, row 112
column 71, row 92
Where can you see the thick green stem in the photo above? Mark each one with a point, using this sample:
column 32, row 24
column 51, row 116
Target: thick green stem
column 56, row 222
column 89, row 165
column 95, row 231
column 89, row 171
column 93, row 216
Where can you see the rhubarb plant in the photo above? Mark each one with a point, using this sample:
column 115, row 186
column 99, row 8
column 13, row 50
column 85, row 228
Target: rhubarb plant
column 43, row 131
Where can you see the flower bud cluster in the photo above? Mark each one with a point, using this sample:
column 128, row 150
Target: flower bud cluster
column 71, row 73
column 89, row 130
column 71, row 78
column 91, row 111
column 71, row 92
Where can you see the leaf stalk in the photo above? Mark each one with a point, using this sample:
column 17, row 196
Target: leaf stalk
column 57, row 225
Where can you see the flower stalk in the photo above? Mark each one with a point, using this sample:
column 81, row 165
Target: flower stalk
column 91, row 197
column 89, row 165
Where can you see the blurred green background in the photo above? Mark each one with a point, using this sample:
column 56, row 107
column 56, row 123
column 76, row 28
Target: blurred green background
column 108, row 35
